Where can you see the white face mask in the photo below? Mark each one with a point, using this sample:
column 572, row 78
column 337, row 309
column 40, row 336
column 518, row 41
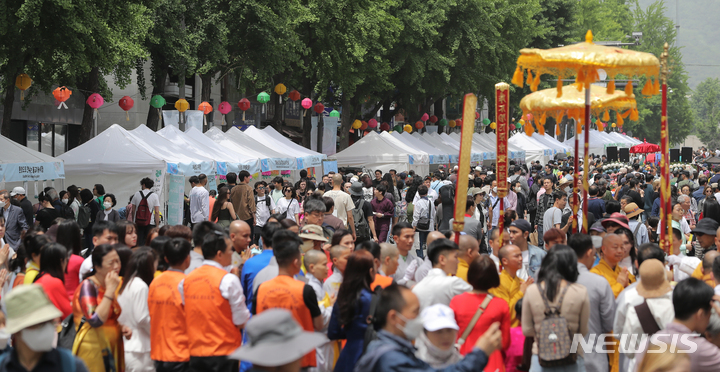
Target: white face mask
column 4, row 338
column 597, row 241
column 2, row 204
column 412, row 327
column 495, row 190
column 40, row 339
column 65, row 201
column 107, row 205
column 518, row 189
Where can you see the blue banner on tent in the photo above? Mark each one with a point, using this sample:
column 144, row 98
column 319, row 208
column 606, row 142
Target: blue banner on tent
column 18, row 172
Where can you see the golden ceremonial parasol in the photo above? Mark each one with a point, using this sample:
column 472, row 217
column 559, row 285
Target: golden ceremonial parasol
column 583, row 60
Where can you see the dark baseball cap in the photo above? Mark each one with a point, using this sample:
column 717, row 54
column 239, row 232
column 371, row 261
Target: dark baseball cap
column 521, row 224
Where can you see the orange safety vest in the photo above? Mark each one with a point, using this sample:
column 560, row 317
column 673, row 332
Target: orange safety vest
column 168, row 334
column 212, row 332
column 382, row 281
column 284, row 292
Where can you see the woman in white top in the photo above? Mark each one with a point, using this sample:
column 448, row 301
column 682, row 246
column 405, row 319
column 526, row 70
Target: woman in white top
column 135, row 316
column 289, row 204
column 73, row 199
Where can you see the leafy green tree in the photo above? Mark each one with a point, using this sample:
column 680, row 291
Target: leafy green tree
column 705, row 103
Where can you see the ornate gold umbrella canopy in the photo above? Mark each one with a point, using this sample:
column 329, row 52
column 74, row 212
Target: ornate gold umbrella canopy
column 583, row 61
column 546, row 103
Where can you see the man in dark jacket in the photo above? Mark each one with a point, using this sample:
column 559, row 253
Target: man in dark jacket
column 398, row 317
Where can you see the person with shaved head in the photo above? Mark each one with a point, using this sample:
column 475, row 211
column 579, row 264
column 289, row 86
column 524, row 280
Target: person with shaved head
column 511, row 288
column 469, row 249
column 612, row 253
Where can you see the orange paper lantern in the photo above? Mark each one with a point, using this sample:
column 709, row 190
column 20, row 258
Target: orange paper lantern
column 62, row 94
column 205, row 107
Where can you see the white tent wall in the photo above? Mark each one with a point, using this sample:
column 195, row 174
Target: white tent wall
column 533, row 150
column 375, row 152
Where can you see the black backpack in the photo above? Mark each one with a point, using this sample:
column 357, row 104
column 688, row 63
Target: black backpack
column 66, row 212
column 370, row 332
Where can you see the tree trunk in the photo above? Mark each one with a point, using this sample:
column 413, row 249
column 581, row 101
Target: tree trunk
column 348, row 115
column 8, row 102
column 386, row 115
column 158, row 83
column 439, row 113
column 224, row 97
column 205, row 91
column 321, row 128
column 89, row 85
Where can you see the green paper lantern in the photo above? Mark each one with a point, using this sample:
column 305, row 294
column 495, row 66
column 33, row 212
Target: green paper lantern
column 398, row 128
column 486, row 121
column 443, row 122
column 263, row 97
column 157, row 101
column 518, row 125
column 334, row 114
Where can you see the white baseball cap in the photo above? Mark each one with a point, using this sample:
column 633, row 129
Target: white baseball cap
column 437, row 317
column 17, row 190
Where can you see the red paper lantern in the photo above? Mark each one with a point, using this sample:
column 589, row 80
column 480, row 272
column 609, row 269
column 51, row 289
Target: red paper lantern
column 62, row 94
column 385, row 127
column 205, row 107
column 364, row 125
column 319, row 108
column 477, row 115
column 419, row 125
column 224, row 108
column 294, row 95
column 425, row 117
column 126, row 103
column 372, row 123
column 433, row 119
column 306, row 103
column 244, row 104
column 458, row 123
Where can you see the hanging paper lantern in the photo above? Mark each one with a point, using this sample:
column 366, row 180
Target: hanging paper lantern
column 486, row 121
column 477, row 115
column 95, row 101
column 458, row 123
column 408, row 128
column 517, row 126
column 319, row 108
column 334, row 114
column 493, row 125
column 419, row 125
column 244, row 105
column 62, row 94
column 383, row 126
column 364, row 125
column 372, row 123
column 224, row 108
column 433, row 119
column 157, row 101
column 182, row 105
column 425, row 117
column 614, row 125
column 443, row 122
column 126, row 103
column 306, row 103
column 529, row 117
column 398, row 128
column 522, row 122
column 23, row 82
column 357, row 124
column 205, row 107
column 280, row 89
column 451, row 123
column 294, row 95
column 263, row 97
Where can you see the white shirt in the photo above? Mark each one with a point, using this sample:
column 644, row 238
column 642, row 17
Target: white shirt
column 292, row 206
column 717, row 290
column 152, row 201
column 199, row 204
column 343, row 204
column 262, row 212
column 231, row 290
column 439, row 288
column 86, row 267
column 136, row 315
column 196, row 260
column 432, row 195
column 421, row 210
column 522, row 273
column 422, row 270
column 407, row 264
column 497, row 261
column 332, row 284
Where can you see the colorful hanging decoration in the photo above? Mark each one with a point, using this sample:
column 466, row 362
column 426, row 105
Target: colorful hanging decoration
column 433, row 119
column 493, row 125
column 62, row 94
column 157, row 101
column 408, row 128
column 334, row 114
column 364, row 125
column 443, row 122
column 419, row 125
column 95, row 101
column 182, row 105
column 357, row 124
column 425, row 117
column 224, row 108
column 458, row 123
column 23, row 82
column 384, row 127
column 372, row 123
column 126, row 103
column 280, row 89
column 244, row 105
column 263, row 98
column 398, row 128
column 206, row 108
column 294, row 95
column 477, row 115
column 486, row 122
column 306, row 104
column 319, row 108
column 451, row 123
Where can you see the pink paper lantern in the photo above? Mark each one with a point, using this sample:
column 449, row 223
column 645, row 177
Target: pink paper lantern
column 306, row 103
column 372, row 123
column 95, row 101
column 425, row 117
column 224, row 108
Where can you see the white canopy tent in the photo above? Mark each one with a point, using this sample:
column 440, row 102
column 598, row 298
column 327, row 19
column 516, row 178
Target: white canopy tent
column 116, row 159
column 438, row 144
column 375, row 151
column 436, row 155
column 596, row 145
column 555, row 148
column 533, row 150
column 272, row 160
column 270, row 137
column 566, row 149
column 188, row 160
column 234, row 161
column 477, row 153
column 20, row 165
column 488, row 151
column 418, row 156
column 217, row 136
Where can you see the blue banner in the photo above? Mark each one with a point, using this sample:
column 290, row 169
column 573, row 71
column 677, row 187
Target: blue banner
column 18, row 172
column 330, row 166
column 176, row 188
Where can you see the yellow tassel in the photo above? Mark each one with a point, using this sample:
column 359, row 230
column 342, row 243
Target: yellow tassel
column 620, row 121
column 601, row 127
column 611, row 87
column 541, row 129
column 518, row 77
column 656, row 87
column 591, row 77
column 529, row 129
column 648, row 88
column 559, row 88
column 580, row 80
column 529, row 78
column 579, row 127
column 543, row 118
column 557, row 129
column 626, row 114
column 535, row 82
column 606, row 116
column 629, row 89
column 634, row 115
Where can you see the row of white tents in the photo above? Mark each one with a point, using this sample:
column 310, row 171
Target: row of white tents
column 421, row 152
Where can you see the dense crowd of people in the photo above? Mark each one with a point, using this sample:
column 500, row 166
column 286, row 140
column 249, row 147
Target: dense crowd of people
column 359, row 271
